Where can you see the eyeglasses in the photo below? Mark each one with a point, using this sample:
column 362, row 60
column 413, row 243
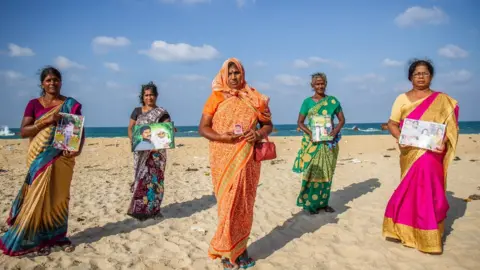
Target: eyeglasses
column 421, row 74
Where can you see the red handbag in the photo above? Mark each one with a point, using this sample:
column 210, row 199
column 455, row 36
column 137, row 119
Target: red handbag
column 264, row 151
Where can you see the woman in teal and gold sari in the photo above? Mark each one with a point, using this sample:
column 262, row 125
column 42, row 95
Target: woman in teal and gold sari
column 317, row 160
column 39, row 215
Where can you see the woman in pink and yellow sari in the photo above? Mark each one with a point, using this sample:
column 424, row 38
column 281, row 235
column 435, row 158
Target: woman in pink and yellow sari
column 229, row 121
column 416, row 212
column 39, row 215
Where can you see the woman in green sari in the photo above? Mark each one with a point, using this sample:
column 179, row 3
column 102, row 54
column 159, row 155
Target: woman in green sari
column 317, row 160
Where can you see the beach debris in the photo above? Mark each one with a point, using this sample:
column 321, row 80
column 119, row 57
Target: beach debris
column 346, row 159
column 457, row 159
column 473, row 160
column 198, row 229
column 474, row 197
column 3, row 171
column 91, row 166
column 80, row 219
column 391, row 149
column 191, row 169
column 478, row 187
column 180, row 145
column 387, row 156
column 355, row 161
column 175, row 164
column 206, row 173
column 277, row 161
column 92, row 144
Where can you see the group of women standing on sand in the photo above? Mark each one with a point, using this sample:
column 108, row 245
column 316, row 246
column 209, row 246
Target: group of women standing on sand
column 414, row 215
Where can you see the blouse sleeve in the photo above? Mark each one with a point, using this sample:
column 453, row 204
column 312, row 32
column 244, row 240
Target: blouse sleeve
column 304, row 109
column 30, row 109
column 339, row 108
column 134, row 114
column 212, row 103
column 396, row 114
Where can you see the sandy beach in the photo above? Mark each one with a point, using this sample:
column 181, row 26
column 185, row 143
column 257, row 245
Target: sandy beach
column 283, row 237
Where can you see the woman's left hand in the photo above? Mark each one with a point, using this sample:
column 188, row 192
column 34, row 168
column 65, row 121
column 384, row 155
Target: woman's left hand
column 440, row 149
column 70, row 154
column 333, row 133
column 252, row 136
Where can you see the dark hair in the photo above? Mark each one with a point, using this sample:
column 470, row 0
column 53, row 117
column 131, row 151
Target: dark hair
column 417, row 62
column 48, row 70
column 142, row 129
column 149, row 86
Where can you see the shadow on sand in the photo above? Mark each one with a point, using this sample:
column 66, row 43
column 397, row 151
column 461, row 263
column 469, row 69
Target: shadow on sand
column 302, row 223
column 457, row 210
column 174, row 210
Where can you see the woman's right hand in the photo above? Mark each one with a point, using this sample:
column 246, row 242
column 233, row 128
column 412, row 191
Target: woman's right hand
column 229, row 137
column 52, row 119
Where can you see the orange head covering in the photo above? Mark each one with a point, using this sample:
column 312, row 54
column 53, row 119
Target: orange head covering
column 250, row 94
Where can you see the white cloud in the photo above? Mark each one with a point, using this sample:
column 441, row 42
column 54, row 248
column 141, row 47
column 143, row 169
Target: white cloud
column 64, row 63
column 15, row 50
column 112, row 66
column 179, row 52
column 391, row 63
column 261, row 64
column 241, row 3
column 452, row 51
column 417, row 15
column 191, row 77
column 11, row 75
column 457, row 76
column 299, row 63
column 311, row 61
column 102, row 44
column 366, row 78
column 290, row 80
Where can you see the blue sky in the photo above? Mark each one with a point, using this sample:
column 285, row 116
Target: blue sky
column 107, row 49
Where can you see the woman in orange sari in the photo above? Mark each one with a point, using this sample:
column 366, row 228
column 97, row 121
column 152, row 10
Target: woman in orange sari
column 229, row 120
column 417, row 209
column 38, row 218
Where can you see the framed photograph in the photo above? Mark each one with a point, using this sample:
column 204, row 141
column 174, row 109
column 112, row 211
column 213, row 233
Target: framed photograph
column 422, row 134
column 68, row 132
column 153, row 136
column 321, row 126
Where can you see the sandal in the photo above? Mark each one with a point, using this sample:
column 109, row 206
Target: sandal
column 45, row 251
column 227, row 265
column 68, row 248
column 245, row 262
column 329, row 209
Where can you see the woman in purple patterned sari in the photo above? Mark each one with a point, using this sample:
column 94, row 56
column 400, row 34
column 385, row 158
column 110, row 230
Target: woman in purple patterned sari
column 149, row 165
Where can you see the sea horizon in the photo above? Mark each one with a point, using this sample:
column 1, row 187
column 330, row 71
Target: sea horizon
column 281, row 130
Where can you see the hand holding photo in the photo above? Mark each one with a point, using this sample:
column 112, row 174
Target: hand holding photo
column 321, row 127
column 238, row 130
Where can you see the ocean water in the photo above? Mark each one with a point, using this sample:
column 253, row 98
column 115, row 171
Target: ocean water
column 281, row 130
